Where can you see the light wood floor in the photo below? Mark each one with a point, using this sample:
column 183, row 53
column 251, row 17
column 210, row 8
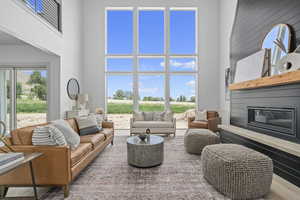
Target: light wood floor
column 280, row 189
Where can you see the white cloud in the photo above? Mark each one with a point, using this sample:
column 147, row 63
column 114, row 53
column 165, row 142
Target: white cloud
column 191, row 83
column 184, row 65
column 149, row 90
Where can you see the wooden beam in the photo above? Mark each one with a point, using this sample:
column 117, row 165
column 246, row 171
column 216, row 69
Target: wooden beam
column 282, row 79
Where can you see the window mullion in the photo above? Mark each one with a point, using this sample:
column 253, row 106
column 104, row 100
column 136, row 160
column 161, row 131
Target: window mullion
column 135, row 61
column 167, row 58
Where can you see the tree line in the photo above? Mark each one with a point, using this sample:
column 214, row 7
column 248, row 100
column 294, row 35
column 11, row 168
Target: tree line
column 127, row 95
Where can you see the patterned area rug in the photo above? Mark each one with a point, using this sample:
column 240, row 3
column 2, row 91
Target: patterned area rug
column 109, row 177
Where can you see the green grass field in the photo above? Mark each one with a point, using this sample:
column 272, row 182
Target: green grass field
column 122, row 108
column 36, row 106
column 31, row 106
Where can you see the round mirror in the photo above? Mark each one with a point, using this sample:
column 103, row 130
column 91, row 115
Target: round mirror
column 278, row 40
column 73, row 89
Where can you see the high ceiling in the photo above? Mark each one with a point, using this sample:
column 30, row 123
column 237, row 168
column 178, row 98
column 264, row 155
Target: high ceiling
column 6, row 39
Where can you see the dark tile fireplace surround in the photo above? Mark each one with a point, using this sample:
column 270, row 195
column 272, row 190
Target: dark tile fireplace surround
column 274, row 111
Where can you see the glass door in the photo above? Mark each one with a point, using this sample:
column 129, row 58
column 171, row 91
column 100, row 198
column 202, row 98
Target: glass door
column 6, row 108
column 31, row 96
column 23, row 96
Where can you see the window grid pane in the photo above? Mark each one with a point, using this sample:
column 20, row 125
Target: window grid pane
column 153, row 84
column 151, row 31
column 119, row 32
column 182, row 32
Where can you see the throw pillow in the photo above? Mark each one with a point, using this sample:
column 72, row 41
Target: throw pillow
column 88, row 125
column 138, row 116
column 201, row 116
column 168, row 116
column 148, row 116
column 99, row 118
column 71, row 136
column 48, row 136
column 158, row 116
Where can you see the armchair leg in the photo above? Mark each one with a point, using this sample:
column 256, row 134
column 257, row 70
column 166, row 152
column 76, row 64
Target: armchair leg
column 66, row 190
column 3, row 191
column 112, row 142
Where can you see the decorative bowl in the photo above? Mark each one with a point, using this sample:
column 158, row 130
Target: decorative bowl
column 142, row 136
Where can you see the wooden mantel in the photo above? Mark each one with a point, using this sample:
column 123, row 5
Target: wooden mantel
column 282, row 79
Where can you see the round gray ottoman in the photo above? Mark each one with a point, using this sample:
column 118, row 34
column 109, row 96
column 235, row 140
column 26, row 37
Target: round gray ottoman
column 196, row 139
column 236, row 171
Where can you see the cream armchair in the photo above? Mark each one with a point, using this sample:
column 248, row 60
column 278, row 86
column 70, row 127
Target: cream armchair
column 167, row 127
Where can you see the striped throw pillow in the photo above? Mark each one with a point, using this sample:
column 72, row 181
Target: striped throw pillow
column 48, row 136
column 99, row 118
column 87, row 125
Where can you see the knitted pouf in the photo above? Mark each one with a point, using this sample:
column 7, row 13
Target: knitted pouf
column 196, row 139
column 237, row 171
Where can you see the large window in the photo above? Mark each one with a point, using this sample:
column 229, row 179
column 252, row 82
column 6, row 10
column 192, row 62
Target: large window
column 151, row 62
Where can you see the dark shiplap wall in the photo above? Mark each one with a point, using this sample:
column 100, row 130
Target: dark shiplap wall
column 255, row 18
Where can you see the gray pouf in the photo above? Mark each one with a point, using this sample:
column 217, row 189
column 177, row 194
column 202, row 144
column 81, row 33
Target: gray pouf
column 196, row 139
column 236, row 171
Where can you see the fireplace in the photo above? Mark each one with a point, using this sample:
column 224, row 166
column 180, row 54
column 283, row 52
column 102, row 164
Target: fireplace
column 280, row 122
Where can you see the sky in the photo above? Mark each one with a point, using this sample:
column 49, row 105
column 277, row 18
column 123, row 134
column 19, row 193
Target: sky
column 36, row 5
column 151, row 41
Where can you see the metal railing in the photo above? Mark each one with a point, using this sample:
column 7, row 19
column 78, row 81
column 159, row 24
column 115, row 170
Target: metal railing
column 50, row 10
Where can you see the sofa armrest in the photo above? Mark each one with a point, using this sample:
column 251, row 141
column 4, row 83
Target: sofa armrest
column 174, row 122
column 52, row 168
column 131, row 122
column 213, row 124
column 190, row 120
column 107, row 124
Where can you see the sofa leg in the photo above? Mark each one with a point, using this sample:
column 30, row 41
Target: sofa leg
column 3, row 191
column 66, row 190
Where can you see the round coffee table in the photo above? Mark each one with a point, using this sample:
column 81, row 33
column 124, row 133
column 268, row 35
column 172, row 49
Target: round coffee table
column 148, row 153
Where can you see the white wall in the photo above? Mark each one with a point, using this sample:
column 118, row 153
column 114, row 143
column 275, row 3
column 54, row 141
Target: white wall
column 17, row 20
column 94, row 46
column 72, row 57
column 25, row 56
column 227, row 15
column 20, row 22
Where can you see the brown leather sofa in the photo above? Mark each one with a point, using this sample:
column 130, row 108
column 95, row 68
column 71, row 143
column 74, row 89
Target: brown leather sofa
column 58, row 166
column 212, row 122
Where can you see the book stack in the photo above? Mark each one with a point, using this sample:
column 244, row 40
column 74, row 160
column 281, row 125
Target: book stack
column 9, row 159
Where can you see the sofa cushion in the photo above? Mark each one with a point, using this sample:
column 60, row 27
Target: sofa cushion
column 153, row 124
column 73, row 123
column 107, row 132
column 199, row 124
column 138, row 116
column 94, row 139
column 168, row 116
column 158, row 116
column 23, row 136
column 71, row 136
column 87, row 125
column 148, row 116
column 212, row 114
column 201, row 115
column 48, row 136
column 80, row 152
